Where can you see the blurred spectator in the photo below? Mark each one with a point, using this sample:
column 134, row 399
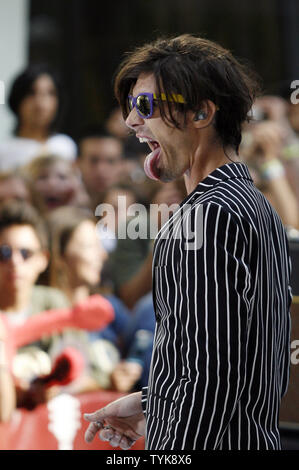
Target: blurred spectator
column 54, row 182
column 115, row 124
column 112, row 210
column 138, row 342
column 113, row 217
column 134, row 151
column 283, row 112
column 77, row 261
column 293, row 115
column 100, row 160
column 35, row 99
column 264, row 143
column 23, row 256
column 13, row 185
column 131, row 262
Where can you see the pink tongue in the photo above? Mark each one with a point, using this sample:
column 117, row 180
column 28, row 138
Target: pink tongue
column 150, row 164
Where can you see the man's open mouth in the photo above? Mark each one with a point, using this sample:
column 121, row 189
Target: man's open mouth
column 52, row 201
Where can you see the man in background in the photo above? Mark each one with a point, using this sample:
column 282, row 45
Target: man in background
column 100, row 160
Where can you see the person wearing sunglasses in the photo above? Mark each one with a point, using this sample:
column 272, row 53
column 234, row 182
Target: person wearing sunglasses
column 23, row 257
column 221, row 270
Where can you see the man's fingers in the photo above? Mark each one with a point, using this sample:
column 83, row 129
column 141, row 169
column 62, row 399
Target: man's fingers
column 91, row 431
column 116, row 439
column 126, row 443
column 98, row 415
column 106, row 434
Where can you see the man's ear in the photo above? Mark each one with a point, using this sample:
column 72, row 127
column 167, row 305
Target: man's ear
column 205, row 115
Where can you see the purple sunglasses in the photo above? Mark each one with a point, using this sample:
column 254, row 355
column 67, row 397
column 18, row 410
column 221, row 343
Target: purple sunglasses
column 144, row 102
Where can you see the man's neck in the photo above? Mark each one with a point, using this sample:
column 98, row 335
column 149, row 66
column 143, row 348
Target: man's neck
column 205, row 162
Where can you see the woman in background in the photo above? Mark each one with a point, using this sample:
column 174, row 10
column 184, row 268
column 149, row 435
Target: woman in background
column 77, row 261
column 35, row 100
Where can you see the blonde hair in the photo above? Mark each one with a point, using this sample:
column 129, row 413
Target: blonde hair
column 32, row 169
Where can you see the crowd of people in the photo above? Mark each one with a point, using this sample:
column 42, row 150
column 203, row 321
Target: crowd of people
column 54, row 253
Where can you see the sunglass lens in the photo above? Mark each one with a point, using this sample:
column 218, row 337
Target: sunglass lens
column 143, row 105
column 26, row 253
column 5, row 253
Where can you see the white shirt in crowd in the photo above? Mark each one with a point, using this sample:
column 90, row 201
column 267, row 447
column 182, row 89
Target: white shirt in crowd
column 18, row 151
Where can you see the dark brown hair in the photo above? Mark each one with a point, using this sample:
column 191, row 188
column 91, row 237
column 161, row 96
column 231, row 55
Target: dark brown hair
column 199, row 70
column 22, row 213
column 22, row 87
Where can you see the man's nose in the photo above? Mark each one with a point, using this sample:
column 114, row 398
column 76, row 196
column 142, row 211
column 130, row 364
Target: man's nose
column 16, row 258
column 133, row 120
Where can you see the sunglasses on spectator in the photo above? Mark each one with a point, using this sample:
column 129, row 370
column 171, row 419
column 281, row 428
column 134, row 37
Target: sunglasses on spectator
column 6, row 253
column 144, row 102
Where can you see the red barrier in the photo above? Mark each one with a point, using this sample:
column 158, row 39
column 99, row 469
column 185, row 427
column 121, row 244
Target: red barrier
column 59, row 424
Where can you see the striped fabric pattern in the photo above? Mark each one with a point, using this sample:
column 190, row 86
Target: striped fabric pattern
column 220, row 363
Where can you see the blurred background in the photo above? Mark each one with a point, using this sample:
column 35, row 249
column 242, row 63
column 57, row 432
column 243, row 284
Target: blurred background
column 85, row 41
column 58, row 60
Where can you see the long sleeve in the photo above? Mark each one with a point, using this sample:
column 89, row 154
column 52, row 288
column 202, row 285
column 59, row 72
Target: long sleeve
column 213, row 286
column 221, row 354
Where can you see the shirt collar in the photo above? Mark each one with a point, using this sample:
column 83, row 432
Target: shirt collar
column 225, row 172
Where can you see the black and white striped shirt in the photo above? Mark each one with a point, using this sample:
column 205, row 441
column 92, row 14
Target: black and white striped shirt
column 220, row 362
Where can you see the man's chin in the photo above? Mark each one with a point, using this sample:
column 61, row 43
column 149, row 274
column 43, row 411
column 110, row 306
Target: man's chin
column 167, row 178
column 166, row 175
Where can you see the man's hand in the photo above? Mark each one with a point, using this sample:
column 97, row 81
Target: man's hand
column 121, row 422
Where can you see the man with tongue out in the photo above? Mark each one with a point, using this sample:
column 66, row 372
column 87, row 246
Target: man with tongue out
column 220, row 266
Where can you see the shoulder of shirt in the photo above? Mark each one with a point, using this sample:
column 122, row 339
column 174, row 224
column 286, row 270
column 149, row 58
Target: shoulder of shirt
column 14, row 141
column 211, row 209
column 65, row 143
column 62, row 138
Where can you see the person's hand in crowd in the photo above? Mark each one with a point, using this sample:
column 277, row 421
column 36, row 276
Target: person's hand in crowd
column 263, row 143
column 263, row 155
column 125, row 375
column 273, row 107
column 121, row 422
column 276, row 109
column 267, row 141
